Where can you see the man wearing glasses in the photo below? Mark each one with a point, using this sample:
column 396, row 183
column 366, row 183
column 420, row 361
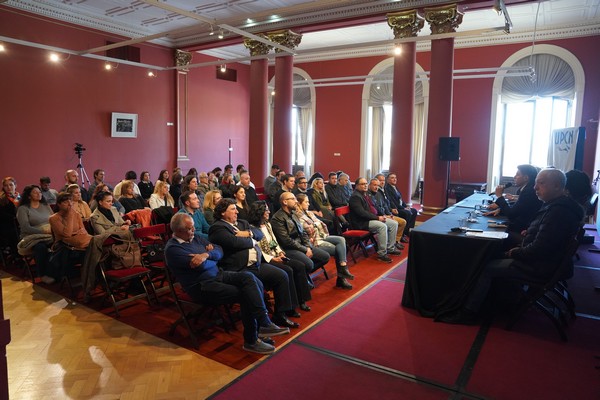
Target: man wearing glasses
column 363, row 215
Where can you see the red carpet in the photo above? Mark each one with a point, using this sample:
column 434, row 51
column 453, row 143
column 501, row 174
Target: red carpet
column 375, row 328
column 399, row 273
column 300, row 373
column 531, row 359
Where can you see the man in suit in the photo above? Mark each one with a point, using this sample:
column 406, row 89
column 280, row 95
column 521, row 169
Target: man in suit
column 398, row 206
column 241, row 252
column 363, row 215
column 382, row 205
column 194, row 263
column 248, row 186
column 288, row 182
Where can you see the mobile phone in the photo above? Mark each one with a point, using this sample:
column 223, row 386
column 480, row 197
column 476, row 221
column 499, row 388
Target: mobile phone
column 284, row 258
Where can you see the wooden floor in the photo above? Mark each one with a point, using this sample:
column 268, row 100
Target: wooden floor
column 67, row 351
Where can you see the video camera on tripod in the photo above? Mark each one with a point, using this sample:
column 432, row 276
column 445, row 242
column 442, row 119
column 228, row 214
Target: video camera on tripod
column 79, row 149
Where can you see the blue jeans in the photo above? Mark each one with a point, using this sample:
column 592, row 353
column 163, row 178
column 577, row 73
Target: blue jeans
column 386, row 235
column 339, row 251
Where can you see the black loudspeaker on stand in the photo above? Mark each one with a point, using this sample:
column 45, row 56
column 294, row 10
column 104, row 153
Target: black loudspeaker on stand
column 449, row 149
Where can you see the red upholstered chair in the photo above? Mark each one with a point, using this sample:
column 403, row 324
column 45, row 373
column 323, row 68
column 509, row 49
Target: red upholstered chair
column 355, row 238
column 118, row 282
column 190, row 310
column 152, row 240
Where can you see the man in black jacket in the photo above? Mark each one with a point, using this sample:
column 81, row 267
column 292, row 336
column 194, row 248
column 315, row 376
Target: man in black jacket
column 554, row 225
column 397, row 205
column 241, row 252
column 363, row 215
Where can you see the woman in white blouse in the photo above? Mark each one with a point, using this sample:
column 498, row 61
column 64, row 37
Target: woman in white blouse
column 161, row 196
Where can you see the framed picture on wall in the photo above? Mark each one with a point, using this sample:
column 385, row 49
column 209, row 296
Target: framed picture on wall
column 123, row 125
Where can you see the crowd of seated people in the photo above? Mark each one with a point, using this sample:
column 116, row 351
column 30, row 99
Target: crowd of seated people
column 280, row 250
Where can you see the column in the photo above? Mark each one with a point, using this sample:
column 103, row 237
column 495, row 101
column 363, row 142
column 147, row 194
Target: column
column 182, row 58
column 282, row 119
column 404, row 24
column 259, row 110
column 443, row 19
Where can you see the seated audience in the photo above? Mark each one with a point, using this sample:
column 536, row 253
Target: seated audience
column 320, row 238
column 9, row 201
column 32, row 215
column 104, row 188
column 241, row 252
column 161, row 196
column 129, row 199
column 71, row 178
column 239, row 195
column 190, row 183
column 524, row 210
column 78, row 205
column 203, row 185
column 344, row 182
column 163, row 176
column 269, row 180
column 363, row 215
column 194, row 262
column 227, row 186
column 248, row 186
column 106, row 218
column 382, row 205
column 292, row 238
column 191, row 207
column 47, row 192
column 288, row 182
column 398, row 206
column 579, row 187
column 239, row 169
column 175, row 187
column 542, row 250
column 129, row 176
column 301, row 186
column 146, row 186
column 335, row 192
column 99, row 176
column 275, row 187
column 210, row 202
column 273, row 254
column 321, row 203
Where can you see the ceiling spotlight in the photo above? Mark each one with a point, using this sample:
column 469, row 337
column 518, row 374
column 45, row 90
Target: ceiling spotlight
column 223, row 68
column 54, row 57
column 397, row 50
column 273, row 93
column 221, row 34
column 2, row 48
column 212, row 32
column 249, row 20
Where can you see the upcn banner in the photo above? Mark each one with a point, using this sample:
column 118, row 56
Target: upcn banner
column 565, row 151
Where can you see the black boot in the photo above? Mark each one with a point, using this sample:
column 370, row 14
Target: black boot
column 343, row 272
column 342, row 283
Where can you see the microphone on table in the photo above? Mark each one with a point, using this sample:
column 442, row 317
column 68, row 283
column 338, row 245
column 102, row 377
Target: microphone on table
column 509, row 184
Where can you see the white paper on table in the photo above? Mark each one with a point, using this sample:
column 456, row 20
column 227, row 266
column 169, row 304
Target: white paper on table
column 488, row 234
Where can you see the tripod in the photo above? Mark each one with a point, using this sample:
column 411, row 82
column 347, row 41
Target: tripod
column 82, row 174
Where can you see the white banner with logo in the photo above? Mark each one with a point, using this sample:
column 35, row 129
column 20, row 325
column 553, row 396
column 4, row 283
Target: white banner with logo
column 563, row 148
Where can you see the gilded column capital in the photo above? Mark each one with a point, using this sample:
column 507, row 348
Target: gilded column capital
column 443, row 19
column 257, row 48
column 405, row 23
column 285, row 37
column 182, row 59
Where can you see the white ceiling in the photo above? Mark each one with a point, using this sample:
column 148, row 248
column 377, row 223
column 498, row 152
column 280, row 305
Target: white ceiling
column 187, row 23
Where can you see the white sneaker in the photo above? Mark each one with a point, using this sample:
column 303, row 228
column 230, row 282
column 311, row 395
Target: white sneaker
column 48, row 280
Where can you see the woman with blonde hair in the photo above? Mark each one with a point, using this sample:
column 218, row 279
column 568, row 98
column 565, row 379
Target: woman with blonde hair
column 319, row 237
column 161, row 196
column 210, row 202
column 78, row 205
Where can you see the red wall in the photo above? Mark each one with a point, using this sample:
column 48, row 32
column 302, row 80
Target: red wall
column 47, row 108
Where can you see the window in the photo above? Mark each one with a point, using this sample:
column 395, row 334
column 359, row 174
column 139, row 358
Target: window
column 527, row 128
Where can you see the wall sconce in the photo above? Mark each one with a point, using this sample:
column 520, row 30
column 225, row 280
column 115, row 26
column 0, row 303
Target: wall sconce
column 2, row 48
column 108, row 66
column 212, row 32
column 151, row 74
column 397, row 50
column 223, row 68
column 221, row 34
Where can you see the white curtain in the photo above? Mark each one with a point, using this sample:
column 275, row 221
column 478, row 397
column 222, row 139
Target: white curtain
column 553, row 77
column 305, row 122
column 377, row 144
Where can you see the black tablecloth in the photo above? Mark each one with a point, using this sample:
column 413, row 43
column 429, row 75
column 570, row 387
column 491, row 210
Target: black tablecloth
column 443, row 265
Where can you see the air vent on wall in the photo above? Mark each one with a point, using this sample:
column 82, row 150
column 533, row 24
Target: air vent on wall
column 128, row 53
column 227, row 74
